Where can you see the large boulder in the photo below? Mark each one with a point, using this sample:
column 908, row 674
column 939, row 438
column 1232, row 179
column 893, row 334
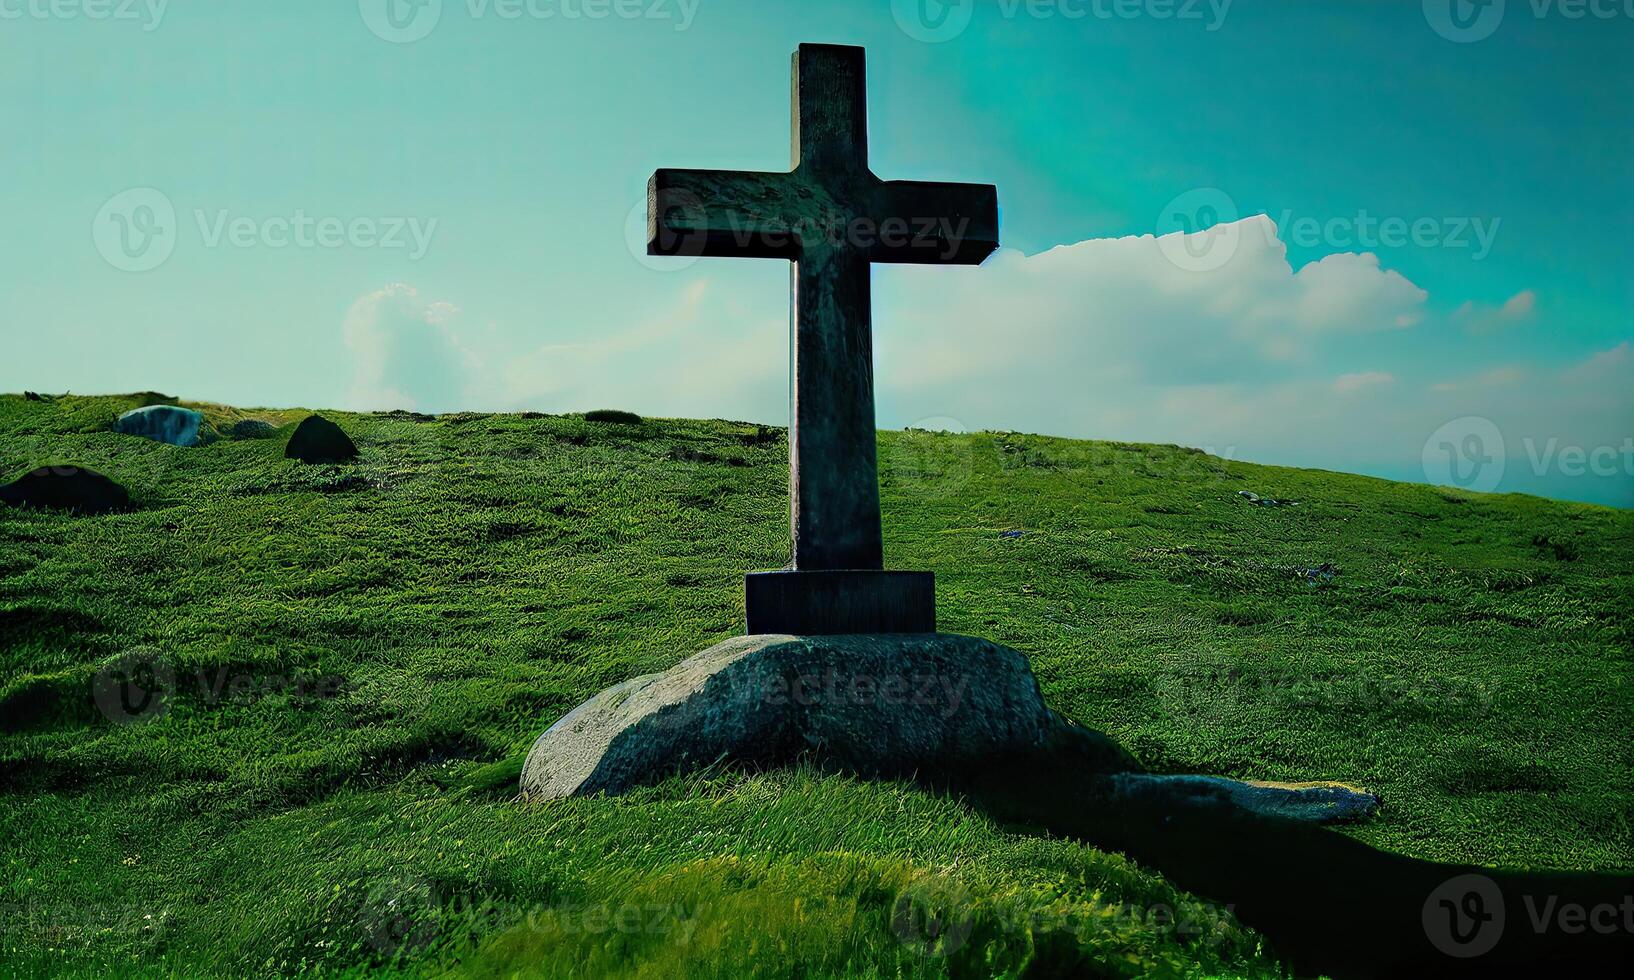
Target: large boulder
column 952, row 710
column 163, row 423
column 318, row 440
column 69, row 488
column 884, row 705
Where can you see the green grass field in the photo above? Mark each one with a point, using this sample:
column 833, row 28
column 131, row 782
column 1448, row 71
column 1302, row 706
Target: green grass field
column 362, row 655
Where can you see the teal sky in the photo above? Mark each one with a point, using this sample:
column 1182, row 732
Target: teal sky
column 518, row 148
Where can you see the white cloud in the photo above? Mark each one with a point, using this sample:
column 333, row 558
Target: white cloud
column 1350, row 291
column 406, row 354
column 1478, row 318
column 1085, row 335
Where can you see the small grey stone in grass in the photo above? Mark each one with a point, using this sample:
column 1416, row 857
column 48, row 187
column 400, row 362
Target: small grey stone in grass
column 1317, row 802
column 69, row 488
column 169, row 424
column 1324, row 572
column 318, row 440
column 1260, row 501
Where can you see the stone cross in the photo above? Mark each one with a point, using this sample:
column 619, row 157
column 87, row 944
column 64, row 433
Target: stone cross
column 832, row 218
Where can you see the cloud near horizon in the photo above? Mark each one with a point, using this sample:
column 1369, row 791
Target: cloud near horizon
column 1327, row 365
column 405, row 353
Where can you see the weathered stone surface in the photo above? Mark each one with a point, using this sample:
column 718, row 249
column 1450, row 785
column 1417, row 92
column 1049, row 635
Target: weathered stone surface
column 252, row 429
column 68, row 488
column 318, row 440
column 877, row 705
column 163, row 423
column 1320, row 802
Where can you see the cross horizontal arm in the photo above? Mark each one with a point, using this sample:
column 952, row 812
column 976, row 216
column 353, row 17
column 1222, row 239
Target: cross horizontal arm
column 720, row 213
column 947, row 224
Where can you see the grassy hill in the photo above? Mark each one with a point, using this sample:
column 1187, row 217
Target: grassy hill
column 362, row 654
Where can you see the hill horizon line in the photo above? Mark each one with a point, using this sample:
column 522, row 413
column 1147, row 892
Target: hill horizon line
column 214, row 410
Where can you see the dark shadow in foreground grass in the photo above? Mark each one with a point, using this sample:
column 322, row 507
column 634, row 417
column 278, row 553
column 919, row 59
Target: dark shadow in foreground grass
column 1330, row 904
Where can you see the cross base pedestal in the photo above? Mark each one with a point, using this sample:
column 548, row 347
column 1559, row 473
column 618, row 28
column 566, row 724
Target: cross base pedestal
column 840, row 602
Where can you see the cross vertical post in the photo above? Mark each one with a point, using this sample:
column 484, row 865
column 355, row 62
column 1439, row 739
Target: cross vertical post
column 833, row 467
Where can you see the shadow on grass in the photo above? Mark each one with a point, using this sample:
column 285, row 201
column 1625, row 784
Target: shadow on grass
column 1330, row 904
